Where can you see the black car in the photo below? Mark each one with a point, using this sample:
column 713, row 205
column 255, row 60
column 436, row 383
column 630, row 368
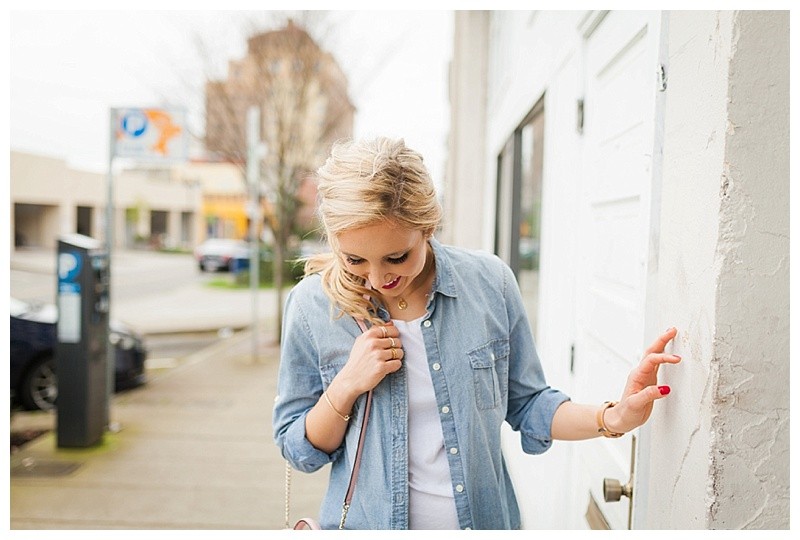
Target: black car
column 33, row 343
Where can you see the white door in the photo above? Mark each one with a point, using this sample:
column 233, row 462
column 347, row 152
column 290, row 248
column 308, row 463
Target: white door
column 620, row 79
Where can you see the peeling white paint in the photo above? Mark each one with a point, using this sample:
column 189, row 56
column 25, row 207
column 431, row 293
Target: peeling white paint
column 726, row 278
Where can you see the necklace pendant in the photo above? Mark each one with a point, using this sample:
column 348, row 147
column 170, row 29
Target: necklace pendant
column 402, row 304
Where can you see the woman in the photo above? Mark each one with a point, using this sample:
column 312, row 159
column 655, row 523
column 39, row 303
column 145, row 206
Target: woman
column 448, row 354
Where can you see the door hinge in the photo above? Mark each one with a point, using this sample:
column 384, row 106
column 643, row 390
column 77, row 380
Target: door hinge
column 662, row 78
column 572, row 359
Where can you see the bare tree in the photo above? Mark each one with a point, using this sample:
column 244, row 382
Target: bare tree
column 302, row 96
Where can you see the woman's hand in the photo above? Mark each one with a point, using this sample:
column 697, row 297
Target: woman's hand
column 642, row 390
column 375, row 353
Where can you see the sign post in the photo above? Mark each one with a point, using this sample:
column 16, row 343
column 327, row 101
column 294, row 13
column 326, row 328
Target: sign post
column 144, row 134
column 253, row 157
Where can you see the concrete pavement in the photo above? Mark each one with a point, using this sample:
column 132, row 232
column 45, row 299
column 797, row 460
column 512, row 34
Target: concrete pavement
column 194, row 449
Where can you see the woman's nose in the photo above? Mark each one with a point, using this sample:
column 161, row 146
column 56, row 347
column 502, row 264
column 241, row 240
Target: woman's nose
column 378, row 277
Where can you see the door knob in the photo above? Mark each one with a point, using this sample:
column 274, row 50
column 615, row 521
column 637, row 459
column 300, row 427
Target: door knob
column 613, row 490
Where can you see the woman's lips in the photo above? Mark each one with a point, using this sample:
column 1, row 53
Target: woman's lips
column 392, row 284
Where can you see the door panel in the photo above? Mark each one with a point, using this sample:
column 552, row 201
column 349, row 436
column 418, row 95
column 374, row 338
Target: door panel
column 613, row 232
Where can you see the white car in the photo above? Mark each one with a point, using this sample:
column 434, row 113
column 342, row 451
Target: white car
column 220, row 253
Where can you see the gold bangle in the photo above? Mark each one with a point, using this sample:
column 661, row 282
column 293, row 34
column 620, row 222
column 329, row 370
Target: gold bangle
column 601, row 424
column 345, row 417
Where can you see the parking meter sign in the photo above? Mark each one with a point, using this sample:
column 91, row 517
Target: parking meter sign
column 69, row 298
column 150, row 134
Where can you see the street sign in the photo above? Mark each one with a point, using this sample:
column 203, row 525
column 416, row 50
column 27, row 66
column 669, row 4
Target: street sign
column 155, row 134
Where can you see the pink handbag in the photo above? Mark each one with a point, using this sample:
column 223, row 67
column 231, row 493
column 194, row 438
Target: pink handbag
column 310, row 524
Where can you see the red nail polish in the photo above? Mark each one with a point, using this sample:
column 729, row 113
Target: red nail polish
column 664, row 390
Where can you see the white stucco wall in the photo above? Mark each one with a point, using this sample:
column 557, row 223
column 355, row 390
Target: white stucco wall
column 751, row 419
column 723, row 276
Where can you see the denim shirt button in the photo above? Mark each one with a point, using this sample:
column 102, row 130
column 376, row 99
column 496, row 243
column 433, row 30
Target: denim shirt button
column 427, row 324
column 454, row 450
column 445, row 409
column 436, row 366
column 459, row 488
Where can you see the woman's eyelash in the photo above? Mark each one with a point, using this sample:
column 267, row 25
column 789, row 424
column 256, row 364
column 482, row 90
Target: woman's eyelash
column 392, row 260
column 398, row 260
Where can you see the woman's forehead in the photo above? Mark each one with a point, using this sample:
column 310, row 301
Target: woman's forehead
column 378, row 240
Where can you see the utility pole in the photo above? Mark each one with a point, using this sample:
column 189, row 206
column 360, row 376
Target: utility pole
column 253, row 157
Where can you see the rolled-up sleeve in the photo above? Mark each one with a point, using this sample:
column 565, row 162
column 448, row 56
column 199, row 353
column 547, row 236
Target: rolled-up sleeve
column 531, row 402
column 299, row 388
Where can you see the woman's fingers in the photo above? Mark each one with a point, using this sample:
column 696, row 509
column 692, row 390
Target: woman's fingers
column 387, row 347
column 661, row 341
column 653, row 360
column 646, row 373
column 644, row 398
column 642, row 388
column 388, row 341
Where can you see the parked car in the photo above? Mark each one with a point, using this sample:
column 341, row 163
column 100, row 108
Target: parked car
column 32, row 356
column 220, row 253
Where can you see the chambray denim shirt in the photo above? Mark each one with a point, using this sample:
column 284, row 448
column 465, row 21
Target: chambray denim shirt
column 485, row 370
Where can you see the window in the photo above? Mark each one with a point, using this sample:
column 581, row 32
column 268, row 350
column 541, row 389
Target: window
column 519, row 205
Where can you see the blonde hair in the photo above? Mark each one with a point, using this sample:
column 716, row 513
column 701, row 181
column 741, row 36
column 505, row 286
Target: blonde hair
column 363, row 183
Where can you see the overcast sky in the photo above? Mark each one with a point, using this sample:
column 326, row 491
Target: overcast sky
column 67, row 68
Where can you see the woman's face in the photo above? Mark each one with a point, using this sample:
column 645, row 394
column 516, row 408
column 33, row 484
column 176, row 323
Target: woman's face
column 388, row 256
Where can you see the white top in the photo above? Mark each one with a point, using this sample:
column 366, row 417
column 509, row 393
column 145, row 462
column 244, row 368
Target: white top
column 431, row 502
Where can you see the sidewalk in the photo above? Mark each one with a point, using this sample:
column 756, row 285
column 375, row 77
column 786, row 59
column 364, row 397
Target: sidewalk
column 194, row 451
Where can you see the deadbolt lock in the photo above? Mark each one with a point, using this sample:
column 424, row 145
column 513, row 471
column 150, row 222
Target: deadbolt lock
column 613, row 490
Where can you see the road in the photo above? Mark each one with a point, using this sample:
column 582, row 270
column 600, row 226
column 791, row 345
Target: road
column 134, row 274
column 162, row 295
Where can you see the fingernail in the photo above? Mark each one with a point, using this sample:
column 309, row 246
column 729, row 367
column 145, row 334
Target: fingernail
column 676, row 356
column 664, row 390
column 670, row 329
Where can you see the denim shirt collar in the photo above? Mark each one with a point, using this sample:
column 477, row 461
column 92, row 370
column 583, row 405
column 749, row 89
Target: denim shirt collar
column 444, row 282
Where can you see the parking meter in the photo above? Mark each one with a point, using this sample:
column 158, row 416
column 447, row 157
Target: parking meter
column 82, row 348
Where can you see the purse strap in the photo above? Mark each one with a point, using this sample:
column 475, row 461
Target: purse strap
column 351, row 486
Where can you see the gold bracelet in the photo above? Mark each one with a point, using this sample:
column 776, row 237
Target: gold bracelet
column 601, row 424
column 345, row 417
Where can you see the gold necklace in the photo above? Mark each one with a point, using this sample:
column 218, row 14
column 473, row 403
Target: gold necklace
column 401, row 301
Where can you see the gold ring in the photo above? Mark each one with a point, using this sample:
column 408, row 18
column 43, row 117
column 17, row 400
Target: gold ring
column 394, row 354
column 385, row 333
column 392, row 341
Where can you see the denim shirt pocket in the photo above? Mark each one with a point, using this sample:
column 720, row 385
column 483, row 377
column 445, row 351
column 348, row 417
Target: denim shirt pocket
column 490, row 372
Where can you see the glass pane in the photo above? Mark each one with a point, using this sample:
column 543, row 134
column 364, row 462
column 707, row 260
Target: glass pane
column 505, row 181
column 530, row 200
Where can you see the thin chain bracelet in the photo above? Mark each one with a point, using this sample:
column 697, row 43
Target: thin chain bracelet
column 345, row 417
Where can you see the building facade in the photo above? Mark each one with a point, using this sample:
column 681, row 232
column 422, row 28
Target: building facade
column 300, row 90
column 301, row 95
column 152, row 207
column 633, row 169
